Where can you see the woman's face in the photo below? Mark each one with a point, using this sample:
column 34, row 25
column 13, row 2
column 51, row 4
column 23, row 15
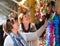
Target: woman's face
column 15, row 25
column 49, row 8
column 26, row 18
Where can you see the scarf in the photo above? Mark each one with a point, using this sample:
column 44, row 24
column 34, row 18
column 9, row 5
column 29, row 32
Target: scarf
column 18, row 40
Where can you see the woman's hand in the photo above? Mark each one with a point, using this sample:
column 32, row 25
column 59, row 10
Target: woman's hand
column 46, row 22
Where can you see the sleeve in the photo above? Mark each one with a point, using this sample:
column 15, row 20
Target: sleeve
column 33, row 35
column 8, row 42
column 39, row 24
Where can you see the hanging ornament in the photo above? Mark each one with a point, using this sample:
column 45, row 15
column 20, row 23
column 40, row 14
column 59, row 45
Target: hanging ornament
column 41, row 4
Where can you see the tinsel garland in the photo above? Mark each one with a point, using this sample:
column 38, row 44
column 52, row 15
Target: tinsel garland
column 57, row 30
column 50, row 32
column 53, row 29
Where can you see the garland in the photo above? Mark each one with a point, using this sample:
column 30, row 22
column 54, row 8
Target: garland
column 57, row 30
column 50, row 32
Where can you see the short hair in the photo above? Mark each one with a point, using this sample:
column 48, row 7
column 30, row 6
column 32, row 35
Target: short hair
column 52, row 3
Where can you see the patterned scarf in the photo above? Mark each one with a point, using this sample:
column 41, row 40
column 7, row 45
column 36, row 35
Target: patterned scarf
column 18, row 40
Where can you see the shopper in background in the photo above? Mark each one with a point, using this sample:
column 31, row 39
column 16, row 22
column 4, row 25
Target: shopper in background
column 51, row 13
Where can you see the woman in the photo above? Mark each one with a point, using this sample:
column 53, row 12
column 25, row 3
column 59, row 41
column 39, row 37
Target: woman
column 32, row 34
column 26, row 25
column 14, row 38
